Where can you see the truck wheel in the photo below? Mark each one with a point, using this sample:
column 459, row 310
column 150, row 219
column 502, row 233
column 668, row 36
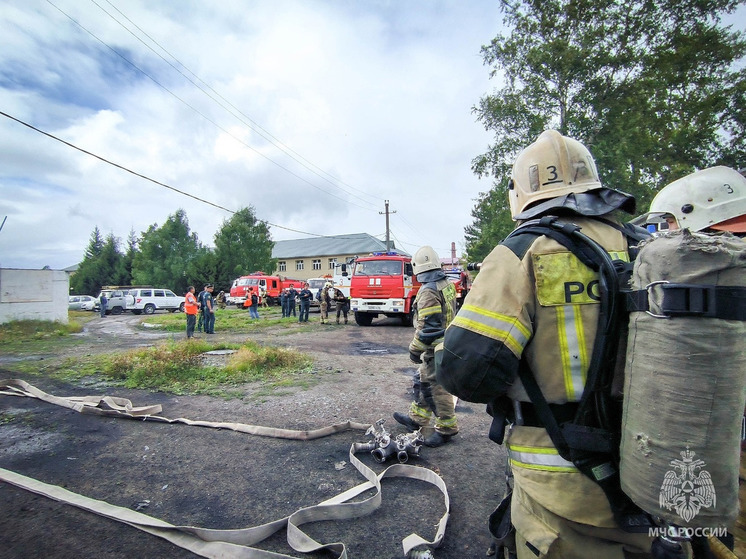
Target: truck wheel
column 116, row 310
column 271, row 301
column 149, row 308
column 363, row 318
column 407, row 319
column 181, row 307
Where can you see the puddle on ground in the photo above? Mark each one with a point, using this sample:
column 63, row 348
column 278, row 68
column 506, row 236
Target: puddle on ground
column 368, row 348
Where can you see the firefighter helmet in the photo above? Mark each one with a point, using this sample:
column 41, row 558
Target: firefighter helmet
column 554, row 165
column 425, row 259
column 713, row 198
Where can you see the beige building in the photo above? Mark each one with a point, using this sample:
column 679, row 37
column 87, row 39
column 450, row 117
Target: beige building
column 317, row 256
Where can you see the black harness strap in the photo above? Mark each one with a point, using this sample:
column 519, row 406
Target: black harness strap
column 705, row 301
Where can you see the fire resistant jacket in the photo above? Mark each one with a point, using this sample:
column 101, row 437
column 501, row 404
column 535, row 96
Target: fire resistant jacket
column 436, row 307
column 533, row 300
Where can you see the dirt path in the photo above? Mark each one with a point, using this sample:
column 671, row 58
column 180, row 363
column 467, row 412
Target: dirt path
column 224, row 479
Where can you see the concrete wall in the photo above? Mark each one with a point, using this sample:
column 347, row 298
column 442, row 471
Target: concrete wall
column 33, row 295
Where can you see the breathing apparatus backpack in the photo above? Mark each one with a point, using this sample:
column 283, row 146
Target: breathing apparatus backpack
column 685, row 377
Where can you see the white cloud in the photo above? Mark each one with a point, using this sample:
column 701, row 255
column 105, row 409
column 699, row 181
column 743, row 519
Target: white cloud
column 375, row 94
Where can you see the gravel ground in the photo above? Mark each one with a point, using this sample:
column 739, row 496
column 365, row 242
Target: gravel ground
column 228, row 480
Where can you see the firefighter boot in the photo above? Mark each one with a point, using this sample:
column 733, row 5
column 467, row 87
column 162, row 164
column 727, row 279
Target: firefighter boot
column 407, row 421
column 437, row 439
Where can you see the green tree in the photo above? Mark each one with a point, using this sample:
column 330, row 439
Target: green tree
column 124, row 270
column 491, row 219
column 166, row 253
column 110, row 262
column 204, row 269
column 242, row 245
column 651, row 88
column 90, row 275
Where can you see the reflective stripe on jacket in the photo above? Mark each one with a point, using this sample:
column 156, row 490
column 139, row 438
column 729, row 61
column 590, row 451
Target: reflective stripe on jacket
column 436, row 307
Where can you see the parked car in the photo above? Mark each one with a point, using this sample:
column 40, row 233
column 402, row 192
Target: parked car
column 118, row 301
column 80, row 303
column 148, row 300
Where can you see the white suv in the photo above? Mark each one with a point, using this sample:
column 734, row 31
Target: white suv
column 148, row 300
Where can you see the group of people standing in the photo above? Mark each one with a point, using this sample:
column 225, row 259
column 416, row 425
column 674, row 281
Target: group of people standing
column 328, row 295
column 200, row 309
column 202, row 304
column 288, row 297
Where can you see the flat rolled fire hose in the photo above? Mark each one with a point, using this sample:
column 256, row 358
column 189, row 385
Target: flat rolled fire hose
column 232, row 544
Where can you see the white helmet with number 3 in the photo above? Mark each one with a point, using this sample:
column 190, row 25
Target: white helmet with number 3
column 425, row 259
column 554, row 165
column 713, row 198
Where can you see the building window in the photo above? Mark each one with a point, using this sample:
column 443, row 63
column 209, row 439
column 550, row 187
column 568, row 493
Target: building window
column 281, row 267
column 298, row 265
column 317, row 264
column 332, row 263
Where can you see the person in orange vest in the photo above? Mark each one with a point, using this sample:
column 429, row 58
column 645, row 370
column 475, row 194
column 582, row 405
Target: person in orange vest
column 190, row 308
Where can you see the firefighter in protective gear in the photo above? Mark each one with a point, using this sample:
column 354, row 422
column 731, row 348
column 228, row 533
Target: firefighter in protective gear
column 325, row 302
column 435, row 308
column 535, row 304
column 712, row 199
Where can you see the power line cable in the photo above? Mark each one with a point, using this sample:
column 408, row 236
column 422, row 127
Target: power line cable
column 123, row 168
column 203, row 115
column 256, row 126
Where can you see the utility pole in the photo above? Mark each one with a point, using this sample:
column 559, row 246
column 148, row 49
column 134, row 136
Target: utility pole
column 388, row 244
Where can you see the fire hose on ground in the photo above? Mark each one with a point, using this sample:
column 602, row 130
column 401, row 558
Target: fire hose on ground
column 229, row 544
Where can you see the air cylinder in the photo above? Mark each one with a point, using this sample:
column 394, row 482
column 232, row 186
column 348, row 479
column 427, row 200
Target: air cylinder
column 685, row 385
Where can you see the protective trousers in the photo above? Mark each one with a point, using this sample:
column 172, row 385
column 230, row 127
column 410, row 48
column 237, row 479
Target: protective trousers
column 432, row 397
column 540, row 533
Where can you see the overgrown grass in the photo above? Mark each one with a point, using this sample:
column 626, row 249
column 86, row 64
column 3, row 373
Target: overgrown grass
column 36, row 329
column 173, row 366
column 180, row 366
column 22, row 336
column 228, row 319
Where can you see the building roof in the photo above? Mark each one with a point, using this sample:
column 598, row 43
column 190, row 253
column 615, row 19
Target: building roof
column 450, row 261
column 354, row 243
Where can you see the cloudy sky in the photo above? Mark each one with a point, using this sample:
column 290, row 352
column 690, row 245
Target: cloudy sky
column 313, row 112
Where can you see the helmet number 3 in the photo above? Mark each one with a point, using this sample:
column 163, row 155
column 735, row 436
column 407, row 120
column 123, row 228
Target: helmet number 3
column 553, row 176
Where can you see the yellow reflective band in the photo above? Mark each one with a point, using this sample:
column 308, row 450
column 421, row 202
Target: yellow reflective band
column 416, row 410
column 419, row 345
column 539, row 458
column 427, row 311
column 573, row 350
column 445, row 422
column 494, row 325
column 544, row 468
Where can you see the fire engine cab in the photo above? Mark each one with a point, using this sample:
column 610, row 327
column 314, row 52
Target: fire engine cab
column 259, row 282
column 383, row 283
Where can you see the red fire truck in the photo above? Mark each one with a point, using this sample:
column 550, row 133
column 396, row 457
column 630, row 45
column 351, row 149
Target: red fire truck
column 259, row 281
column 383, row 283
